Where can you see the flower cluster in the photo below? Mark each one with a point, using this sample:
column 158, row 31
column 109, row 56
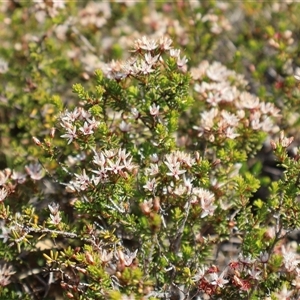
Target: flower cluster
column 77, row 123
column 291, row 261
column 279, row 38
column 112, row 262
column 150, row 54
column 218, row 24
column 55, row 217
column 108, row 163
column 229, row 109
column 95, row 14
column 9, row 179
column 206, row 199
column 44, row 8
column 243, row 273
column 5, row 274
column 162, row 24
column 179, row 169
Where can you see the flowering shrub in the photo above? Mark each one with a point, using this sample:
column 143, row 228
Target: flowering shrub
column 157, row 173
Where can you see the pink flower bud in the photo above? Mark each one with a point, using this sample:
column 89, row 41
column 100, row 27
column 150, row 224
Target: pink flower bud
column 36, row 141
column 52, row 132
column 273, row 145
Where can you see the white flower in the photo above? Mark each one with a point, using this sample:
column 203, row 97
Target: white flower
column 180, row 190
column 229, row 118
column 5, row 273
column 3, row 66
column 87, row 128
column 214, row 98
column 3, row 194
column 106, row 257
column 217, row 72
column 284, row 294
column 124, row 126
column 99, row 159
column 93, row 123
column 135, row 113
column 188, row 184
column 151, row 60
column 70, row 117
column 55, row 219
column 154, row 158
column 165, row 43
column 297, row 73
column 245, row 260
column 5, row 232
column 35, row 171
column 114, row 70
column 264, row 257
column 267, row 125
column 200, row 274
column 18, row 176
column 70, row 135
column 269, row 108
column 174, row 169
column 254, row 273
column 285, row 141
column 175, row 53
column 102, row 176
column 152, row 170
column 207, row 208
column 205, row 198
column 115, row 167
column 4, row 176
column 110, row 153
column 144, row 68
column 145, row 44
column 230, row 133
column 218, row 279
column 82, row 181
column 150, row 185
column 289, row 260
column 207, row 118
column 248, row 101
column 181, row 62
column 84, row 114
column 54, row 208
column 122, row 154
column 154, row 110
column 255, row 121
column 129, row 257
column 229, row 93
